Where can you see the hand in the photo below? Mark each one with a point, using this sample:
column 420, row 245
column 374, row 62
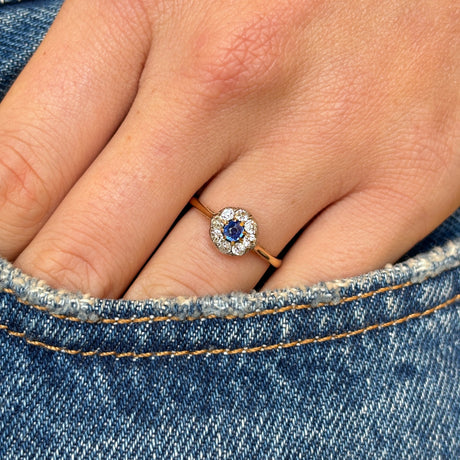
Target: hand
column 336, row 121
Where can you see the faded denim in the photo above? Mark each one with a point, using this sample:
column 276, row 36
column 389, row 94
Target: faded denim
column 367, row 367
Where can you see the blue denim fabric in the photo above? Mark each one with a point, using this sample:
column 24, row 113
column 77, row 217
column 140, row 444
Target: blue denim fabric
column 367, row 367
column 22, row 28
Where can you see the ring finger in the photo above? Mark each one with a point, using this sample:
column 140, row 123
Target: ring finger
column 275, row 193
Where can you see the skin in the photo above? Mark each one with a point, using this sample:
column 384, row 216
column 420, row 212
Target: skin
column 333, row 121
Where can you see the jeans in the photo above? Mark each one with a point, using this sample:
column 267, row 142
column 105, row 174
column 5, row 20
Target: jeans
column 367, row 367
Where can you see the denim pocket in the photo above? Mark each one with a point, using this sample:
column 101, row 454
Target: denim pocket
column 361, row 368
column 228, row 324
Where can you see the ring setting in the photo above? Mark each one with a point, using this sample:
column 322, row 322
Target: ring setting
column 233, row 231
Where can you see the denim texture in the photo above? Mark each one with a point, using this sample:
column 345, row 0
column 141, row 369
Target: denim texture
column 367, row 367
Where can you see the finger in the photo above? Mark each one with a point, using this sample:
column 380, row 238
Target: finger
column 362, row 232
column 188, row 263
column 62, row 110
column 117, row 213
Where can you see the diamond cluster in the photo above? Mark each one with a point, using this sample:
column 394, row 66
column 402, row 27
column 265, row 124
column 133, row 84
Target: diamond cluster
column 233, row 231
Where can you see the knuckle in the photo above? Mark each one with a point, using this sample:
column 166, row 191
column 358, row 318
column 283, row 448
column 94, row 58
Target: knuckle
column 69, row 265
column 240, row 61
column 23, row 191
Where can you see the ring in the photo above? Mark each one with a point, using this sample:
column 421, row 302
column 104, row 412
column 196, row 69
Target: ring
column 234, row 232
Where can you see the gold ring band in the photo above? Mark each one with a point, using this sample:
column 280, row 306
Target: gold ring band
column 234, row 232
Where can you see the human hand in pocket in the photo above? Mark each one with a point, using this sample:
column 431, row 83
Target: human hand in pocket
column 336, row 122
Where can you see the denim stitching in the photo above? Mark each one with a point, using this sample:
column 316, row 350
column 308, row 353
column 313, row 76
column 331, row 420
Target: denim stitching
column 225, row 351
column 229, row 317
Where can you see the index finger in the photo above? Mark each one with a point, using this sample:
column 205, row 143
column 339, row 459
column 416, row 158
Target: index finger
column 62, row 110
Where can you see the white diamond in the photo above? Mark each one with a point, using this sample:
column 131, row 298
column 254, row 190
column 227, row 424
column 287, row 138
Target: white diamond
column 249, row 241
column 227, row 213
column 250, row 227
column 224, row 246
column 241, row 215
column 238, row 249
column 216, row 234
column 217, row 222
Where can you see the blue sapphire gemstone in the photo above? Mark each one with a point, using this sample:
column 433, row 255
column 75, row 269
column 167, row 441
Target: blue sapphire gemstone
column 233, row 230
